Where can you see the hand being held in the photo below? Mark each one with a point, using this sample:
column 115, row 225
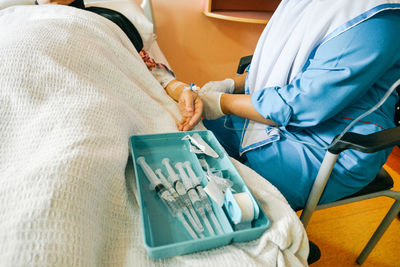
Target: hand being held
column 191, row 108
column 211, row 104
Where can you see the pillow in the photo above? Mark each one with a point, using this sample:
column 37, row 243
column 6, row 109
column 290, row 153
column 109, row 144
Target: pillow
column 134, row 13
column 127, row 7
column 8, row 3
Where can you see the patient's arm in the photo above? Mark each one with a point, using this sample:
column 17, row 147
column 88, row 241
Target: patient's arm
column 240, row 81
column 189, row 102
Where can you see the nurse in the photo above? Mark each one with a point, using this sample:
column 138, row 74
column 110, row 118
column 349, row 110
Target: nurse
column 318, row 65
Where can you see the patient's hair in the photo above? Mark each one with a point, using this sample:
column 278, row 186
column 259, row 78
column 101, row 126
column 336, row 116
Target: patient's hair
column 123, row 22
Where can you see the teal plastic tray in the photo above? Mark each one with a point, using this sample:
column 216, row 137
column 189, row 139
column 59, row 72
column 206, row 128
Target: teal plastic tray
column 163, row 234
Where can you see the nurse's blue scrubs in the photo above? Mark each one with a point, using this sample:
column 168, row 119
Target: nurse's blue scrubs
column 333, row 89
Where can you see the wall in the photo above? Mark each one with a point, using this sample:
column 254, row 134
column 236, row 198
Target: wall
column 200, row 48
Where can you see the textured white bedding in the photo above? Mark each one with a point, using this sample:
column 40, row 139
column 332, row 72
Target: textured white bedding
column 72, row 92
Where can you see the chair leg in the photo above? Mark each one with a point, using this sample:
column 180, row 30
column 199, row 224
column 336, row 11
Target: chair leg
column 394, row 210
column 315, row 253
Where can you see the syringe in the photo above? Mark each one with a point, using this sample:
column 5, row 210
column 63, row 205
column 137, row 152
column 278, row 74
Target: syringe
column 194, row 197
column 180, row 204
column 203, row 196
column 182, row 192
column 164, row 195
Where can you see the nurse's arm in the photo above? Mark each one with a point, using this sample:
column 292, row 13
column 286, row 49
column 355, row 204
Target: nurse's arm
column 239, row 83
column 240, row 105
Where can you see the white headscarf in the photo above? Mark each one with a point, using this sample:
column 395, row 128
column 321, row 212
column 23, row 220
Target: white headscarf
column 295, row 29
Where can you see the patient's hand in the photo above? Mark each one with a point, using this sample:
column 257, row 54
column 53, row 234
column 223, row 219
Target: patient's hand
column 191, row 108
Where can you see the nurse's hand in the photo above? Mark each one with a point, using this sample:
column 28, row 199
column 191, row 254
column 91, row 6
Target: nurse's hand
column 191, row 108
column 226, row 86
column 212, row 105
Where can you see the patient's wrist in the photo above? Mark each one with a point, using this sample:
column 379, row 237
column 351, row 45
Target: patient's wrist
column 175, row 89
column 174, row 84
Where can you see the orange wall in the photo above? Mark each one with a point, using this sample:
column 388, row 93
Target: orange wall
column 199, row 48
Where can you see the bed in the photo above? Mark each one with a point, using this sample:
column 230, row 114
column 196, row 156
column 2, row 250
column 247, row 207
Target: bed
column 73, row 90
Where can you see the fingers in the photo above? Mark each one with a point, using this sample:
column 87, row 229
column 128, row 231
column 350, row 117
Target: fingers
column 198, row 110
column 226, row 86
column 191, row 108
column 183, row 125
column 180, row 126
column 189, row 121
column 207, row 86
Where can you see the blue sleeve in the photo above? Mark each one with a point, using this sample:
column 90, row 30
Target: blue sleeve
column 341, row 71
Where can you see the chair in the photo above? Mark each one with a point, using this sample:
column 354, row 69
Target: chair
column 380, row 186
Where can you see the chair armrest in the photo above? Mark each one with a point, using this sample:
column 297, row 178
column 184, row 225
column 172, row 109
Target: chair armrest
column 243, row 63
column 369, row 143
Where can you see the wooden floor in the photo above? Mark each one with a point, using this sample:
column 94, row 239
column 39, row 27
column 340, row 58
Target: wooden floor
column 342, row 232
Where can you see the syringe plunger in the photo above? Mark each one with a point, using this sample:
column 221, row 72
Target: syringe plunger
column 151, row 176
column 172, row 175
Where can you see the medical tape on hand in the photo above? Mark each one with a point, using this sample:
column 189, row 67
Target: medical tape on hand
column 175, row 85
column 192, row 87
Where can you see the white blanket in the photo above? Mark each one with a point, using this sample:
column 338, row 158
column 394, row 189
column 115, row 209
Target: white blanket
column 72, row 92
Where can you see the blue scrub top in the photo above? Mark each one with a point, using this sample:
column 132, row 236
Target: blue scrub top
column 344, row 78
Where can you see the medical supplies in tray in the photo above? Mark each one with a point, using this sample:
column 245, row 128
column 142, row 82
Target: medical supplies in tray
column 191, row 196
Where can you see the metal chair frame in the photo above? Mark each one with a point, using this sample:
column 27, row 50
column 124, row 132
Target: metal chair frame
column 388, row 140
